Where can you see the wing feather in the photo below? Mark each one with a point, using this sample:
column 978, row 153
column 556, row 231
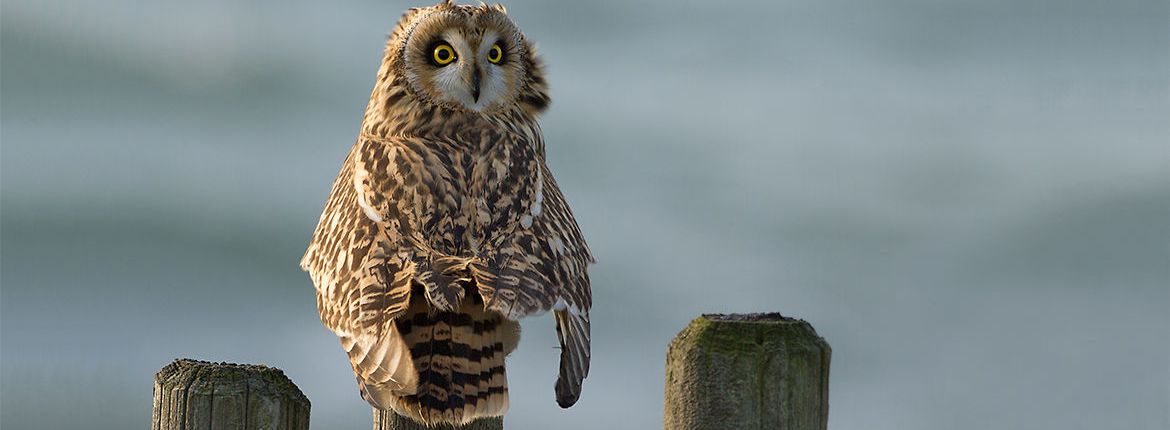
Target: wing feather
column 572, row 257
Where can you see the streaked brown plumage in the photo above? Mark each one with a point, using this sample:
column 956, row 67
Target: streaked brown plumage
column 445, row 225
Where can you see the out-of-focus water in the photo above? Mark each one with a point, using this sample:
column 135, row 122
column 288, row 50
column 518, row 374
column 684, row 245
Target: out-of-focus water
column 969, row 199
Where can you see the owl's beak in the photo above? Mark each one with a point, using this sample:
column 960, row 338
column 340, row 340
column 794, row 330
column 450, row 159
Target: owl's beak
column 475, row 85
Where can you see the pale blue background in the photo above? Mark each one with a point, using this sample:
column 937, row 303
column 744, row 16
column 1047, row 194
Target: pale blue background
column 969, row 199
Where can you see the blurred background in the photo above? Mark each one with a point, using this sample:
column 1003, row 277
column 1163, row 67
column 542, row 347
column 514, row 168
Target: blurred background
column 970, row 200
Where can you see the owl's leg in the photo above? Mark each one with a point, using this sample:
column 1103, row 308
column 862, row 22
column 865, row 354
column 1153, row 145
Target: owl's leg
column 515, row 287
column 445, row 280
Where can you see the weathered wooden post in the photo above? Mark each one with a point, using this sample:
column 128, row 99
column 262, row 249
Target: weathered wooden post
column 388, row 420
column 191, row 394
column 754, row 371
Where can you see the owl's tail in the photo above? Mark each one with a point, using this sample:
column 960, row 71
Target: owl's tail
column 459, row 362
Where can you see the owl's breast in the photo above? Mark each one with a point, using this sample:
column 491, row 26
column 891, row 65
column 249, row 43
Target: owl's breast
column 481, row 185
column 447, row 214
column 503, row 189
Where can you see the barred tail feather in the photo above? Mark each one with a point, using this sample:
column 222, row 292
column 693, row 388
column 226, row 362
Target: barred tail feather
column 459, row 361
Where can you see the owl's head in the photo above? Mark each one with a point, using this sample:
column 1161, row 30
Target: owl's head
column 466, row 58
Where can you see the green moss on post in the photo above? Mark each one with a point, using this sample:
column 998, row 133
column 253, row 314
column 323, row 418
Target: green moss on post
column 754, row 371
column 191, row 394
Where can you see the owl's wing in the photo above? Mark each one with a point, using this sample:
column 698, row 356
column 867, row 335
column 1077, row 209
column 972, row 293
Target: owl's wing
column 363, row 261
column 544, row 266
column 574, row 297
column 403, row 186
column 359, row 253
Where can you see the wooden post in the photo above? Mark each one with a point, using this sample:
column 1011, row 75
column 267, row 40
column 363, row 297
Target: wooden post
column 191, row 394
column 388, row 420
column 755, row 371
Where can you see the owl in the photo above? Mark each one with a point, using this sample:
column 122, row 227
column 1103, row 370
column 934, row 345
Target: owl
column 445, row 225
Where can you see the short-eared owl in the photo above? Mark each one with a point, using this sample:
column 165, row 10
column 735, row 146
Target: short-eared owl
column 445, row 226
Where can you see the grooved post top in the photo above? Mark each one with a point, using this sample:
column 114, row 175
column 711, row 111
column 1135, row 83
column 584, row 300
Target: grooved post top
column 747, row 333
column 755, row 317
column 270, row 377
column 193, row 394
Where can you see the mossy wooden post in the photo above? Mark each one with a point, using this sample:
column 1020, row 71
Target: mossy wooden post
column 755, row 371
column 388, row 420
column 191, row 394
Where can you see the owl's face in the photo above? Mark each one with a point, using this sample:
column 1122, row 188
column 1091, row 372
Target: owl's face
column 465, row 57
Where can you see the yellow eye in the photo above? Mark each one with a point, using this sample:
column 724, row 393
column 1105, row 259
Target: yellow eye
column 444, row 54
column 495, row 54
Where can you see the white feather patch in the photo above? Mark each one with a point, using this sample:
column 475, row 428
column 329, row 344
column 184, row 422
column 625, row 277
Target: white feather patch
column 539, row 194
column 557, row 245
column 359, row 176
column 561, row 305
